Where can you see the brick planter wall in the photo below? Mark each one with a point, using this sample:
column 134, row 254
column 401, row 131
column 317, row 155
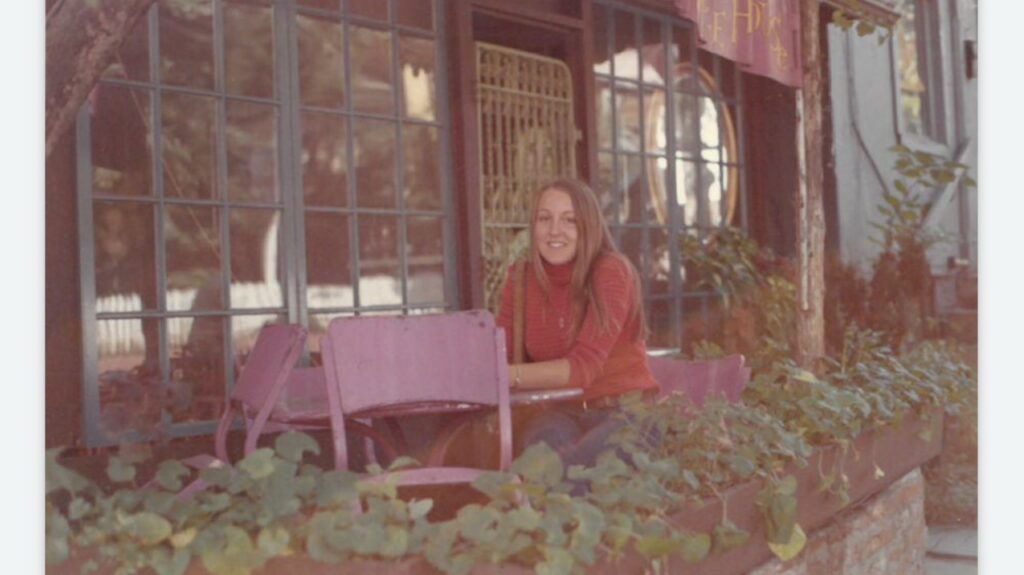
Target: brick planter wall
column 885, row 534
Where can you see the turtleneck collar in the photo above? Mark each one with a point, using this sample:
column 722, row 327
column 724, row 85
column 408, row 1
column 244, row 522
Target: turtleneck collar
column 559, row 274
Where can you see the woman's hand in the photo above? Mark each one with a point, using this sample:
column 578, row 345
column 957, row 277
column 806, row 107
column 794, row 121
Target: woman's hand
column 540, row 375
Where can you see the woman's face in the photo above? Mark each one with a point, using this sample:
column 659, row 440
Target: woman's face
column 554, row 230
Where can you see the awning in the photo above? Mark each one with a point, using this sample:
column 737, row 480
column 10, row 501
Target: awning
column 762, row 36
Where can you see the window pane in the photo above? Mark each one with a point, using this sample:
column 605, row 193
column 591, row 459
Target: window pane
column 425, row 254
column 256, row 258
column 375, row 9
column 657, row 170
column 686, row 120
column 716, row 187
column 324, row 160
column 627, row 59
column 249, row 50
column 627, row 109
column 321, row 62
column 661, row 262
column 193, row 258
column 125, row 257
column 603, row 114
column 416, row 13
column 912, row 78
column 131, row 60
column 131, row 391
column 653, row 53
column 186, row 43
column 687, row 174
column 659, row 322
column 197, row 364
column 189, row 133
column 632, row 190
column 245, row 329
column 317, row 328
column 606, row 185
column 375, row 163
column 682, row 38
column 371, row 77
column 328, row 269
column 121, row 142
column 422, row 173
column 710, row 130
column 655, row 121
column 252, row 152
column 380, row 272
column 631, row 242
column 418, row 77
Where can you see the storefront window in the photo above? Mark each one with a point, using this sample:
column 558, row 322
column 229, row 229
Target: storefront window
column 669, row 159
column 227, row 193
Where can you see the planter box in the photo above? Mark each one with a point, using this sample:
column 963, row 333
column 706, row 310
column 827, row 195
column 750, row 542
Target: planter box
column 896, row 450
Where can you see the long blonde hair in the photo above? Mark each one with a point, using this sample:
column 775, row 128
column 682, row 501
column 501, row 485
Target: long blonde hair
column 593, row 240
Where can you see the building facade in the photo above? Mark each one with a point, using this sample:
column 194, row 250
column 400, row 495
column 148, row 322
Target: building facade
column 245, row 162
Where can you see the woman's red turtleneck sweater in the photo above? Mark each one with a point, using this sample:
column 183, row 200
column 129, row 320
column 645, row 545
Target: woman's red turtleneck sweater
column 605, row 363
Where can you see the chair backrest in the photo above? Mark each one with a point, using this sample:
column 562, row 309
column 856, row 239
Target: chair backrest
column 268, row 365
column 382, row 362
column 700, row 379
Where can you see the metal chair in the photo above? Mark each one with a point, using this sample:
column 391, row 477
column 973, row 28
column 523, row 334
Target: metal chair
column 394, row 366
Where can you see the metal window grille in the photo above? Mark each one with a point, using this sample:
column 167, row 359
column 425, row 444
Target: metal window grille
column 527, row 137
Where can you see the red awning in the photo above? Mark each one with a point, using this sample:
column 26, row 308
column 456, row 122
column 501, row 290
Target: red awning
column 762, row 36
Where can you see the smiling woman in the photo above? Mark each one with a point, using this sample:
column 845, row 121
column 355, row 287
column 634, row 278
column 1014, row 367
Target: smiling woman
column 581, row 322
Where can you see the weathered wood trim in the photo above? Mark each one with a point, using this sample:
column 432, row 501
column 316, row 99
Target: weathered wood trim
column 810, row 327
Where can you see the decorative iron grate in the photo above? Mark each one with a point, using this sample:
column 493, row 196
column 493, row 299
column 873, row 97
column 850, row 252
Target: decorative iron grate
column 527, row 136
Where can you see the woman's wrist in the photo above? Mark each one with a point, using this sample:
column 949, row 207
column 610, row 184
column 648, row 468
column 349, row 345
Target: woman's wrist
column 518, row 379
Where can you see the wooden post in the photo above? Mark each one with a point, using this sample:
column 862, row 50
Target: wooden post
column 810, row 237
column 82, row 39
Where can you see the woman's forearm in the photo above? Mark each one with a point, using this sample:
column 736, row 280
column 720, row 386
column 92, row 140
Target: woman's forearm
column 539, row 375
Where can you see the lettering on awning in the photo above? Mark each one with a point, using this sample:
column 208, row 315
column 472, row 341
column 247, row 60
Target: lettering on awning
column 762, row 36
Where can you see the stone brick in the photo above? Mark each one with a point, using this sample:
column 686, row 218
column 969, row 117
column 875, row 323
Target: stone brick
column 882, row 536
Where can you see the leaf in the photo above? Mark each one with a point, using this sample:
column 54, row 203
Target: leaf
column 273, row 541
column 218, row 476
column 791, row 548
column 539, row 464
column 651, row 546
column 292, row 444
column 183, row 538
column 695, row 547
column 236, row 555
column 420, row 507
column 59, row 477
column 258, row 464
column 556, row 562
column 148, row 528
column 169, row 473
column 119, row 470
column 878, row 472
column 337, row 487
column 403, row 462
column 78, row 508
column 865, row 28
column 727, row 536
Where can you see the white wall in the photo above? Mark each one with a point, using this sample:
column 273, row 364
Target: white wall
column 863, row 102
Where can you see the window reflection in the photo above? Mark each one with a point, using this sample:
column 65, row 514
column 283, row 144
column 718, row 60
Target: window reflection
column 192, row 243
column 187, row 139
column 371, row 77
column 418, row 73
column 380, row 270
column 255, row 258
column 186, row 43
column 912, row 82
column 249, row 50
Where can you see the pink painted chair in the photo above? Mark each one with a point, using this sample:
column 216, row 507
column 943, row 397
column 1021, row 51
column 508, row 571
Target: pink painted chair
column 700, row 379
column 393, row 366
